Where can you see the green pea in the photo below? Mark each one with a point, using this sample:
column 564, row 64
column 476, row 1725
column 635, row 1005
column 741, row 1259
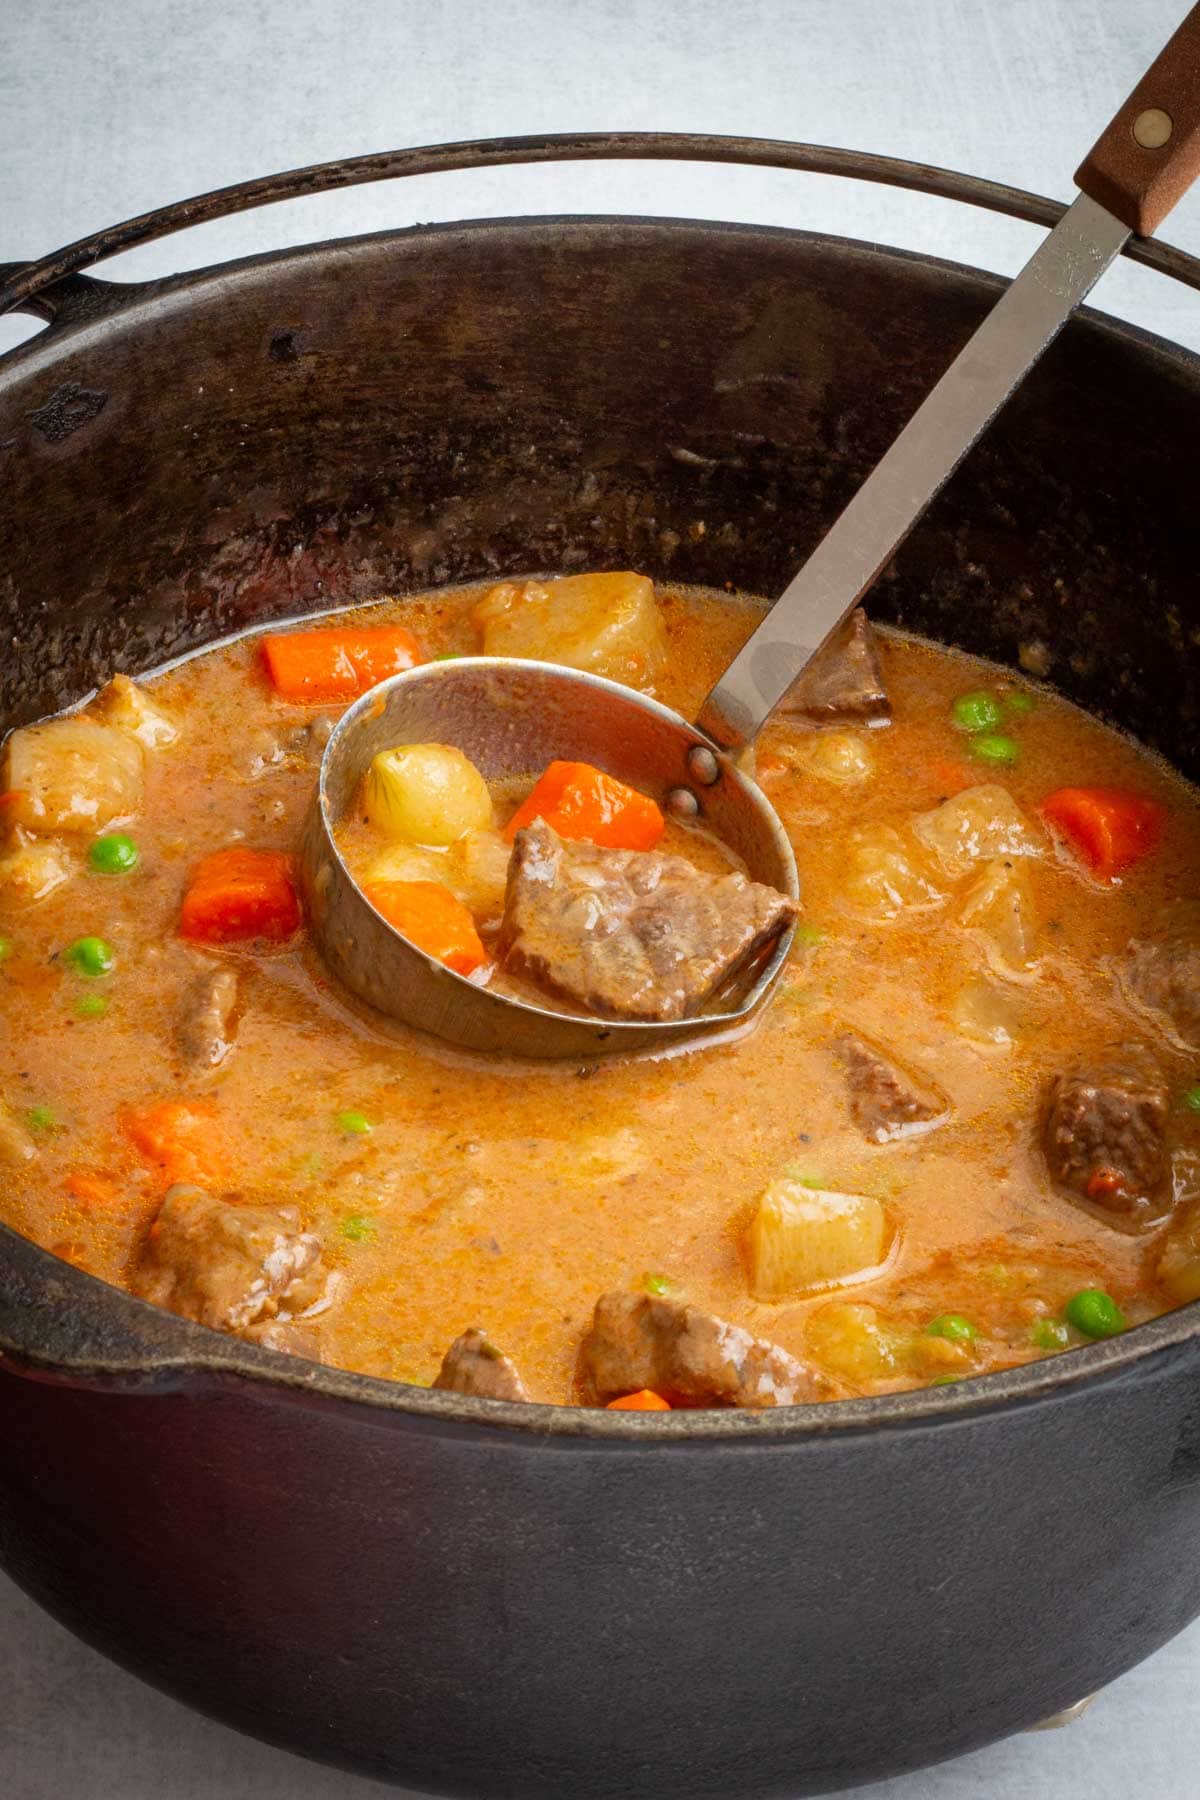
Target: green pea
column 42, row 1119
column 657, row 1284
column 952, row 1326
column 943, row 1381
column 1051, row 1334
column 355, row 1124
column 115, row 854
column 92, row 1006
column 1095, row 1313
column 358, row 1228
column 979, row 711
column 809, row 934
column 6, row 949
column 1191, row 1098
column 91, row 957
column 994, row 747
column 1018, row 704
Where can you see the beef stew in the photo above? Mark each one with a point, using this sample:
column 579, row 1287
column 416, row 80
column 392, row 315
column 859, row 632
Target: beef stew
column 915, row 1166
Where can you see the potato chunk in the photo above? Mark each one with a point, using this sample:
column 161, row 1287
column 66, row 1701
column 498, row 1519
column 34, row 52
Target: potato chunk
column 127, row 706
column 887, row 876
column 608, row 624
column 479, row 871
column 72, row 775
column 975, row 826
column 475, row 869
column 1179, row 1264
column 1000, row 907
column 988, row 1014
column 16, row 1145
column 802, row 1237
column 426, row 794
column 842, row 757
column 854, row 1343
column 34, row 868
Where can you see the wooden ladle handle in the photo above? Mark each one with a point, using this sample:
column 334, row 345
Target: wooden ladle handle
column 1149, row 156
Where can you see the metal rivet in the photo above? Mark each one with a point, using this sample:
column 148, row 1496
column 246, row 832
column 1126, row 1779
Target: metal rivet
column 1153, row 128
column 682, row 803
column 703, row 765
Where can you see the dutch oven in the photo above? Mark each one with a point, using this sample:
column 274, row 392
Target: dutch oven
column 495, row 1599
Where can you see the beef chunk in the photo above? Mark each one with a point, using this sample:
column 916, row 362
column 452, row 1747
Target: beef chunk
column 631, row 934
column 885, row 1100
column 1105, row 1137
column 844, row 685
column 205, row 1032
column 229, row 1266
column 473, row 1365
column 687, row 1356
column 1163, row 973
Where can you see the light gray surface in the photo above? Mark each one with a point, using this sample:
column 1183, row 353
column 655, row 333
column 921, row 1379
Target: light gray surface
column 108, row 107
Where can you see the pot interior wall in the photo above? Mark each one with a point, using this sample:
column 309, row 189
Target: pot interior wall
column 692, row 400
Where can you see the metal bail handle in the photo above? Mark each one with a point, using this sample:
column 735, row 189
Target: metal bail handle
column 21, row 283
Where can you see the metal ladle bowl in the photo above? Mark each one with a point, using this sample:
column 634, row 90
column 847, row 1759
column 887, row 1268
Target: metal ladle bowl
column 511, row 718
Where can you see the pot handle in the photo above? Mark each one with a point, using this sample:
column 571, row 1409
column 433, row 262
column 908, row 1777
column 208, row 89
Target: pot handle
column 20, row 283
column 1149, row 156
column 72, row 300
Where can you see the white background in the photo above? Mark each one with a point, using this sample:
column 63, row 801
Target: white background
column 111, row 107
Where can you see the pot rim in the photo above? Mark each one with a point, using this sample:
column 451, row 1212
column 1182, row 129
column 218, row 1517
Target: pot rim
column 147, row 1350
column 155, row 1350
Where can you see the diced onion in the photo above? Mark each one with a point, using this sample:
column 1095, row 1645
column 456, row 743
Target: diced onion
column 426, row 794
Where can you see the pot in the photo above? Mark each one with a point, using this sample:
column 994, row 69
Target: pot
column 490, row 1599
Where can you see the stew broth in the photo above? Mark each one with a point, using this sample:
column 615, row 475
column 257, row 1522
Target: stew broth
column 450, row 1191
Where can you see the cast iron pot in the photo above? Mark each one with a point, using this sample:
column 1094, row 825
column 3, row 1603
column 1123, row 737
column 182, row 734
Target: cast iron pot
column 493, row 1599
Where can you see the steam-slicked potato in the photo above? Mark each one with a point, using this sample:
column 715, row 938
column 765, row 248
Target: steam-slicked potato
column 802, row 1237
column 987, row 1013
column 408, row 862
column 16, row 1145
column 33, row 868
column 426, row 794
column 1179, row 1264
column 852, row 1341
column 843, row 757
column 975, row 826
column 1000, row 906
column 127, row 706
column 887, row 876
column 73, row 775
column 609, row 624
column 475, row 869
column 479, row 871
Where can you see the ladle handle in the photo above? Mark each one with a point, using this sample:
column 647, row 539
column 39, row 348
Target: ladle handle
column 1149, row 156
column 1143, row 163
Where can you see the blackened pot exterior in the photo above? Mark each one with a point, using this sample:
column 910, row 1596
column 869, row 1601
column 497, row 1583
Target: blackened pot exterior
column 528, row 1601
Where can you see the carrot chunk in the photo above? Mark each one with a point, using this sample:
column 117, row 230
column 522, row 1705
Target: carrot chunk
column 1102, row 1184
column 239, row 893
column 432, row 918
column 337, row 663
column 644, row 1401
column 579, row 801
column 92, row 1188
column 178, row 1137
column 1109, row 828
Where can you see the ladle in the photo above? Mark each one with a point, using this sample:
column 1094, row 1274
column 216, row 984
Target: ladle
column 512, row 718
